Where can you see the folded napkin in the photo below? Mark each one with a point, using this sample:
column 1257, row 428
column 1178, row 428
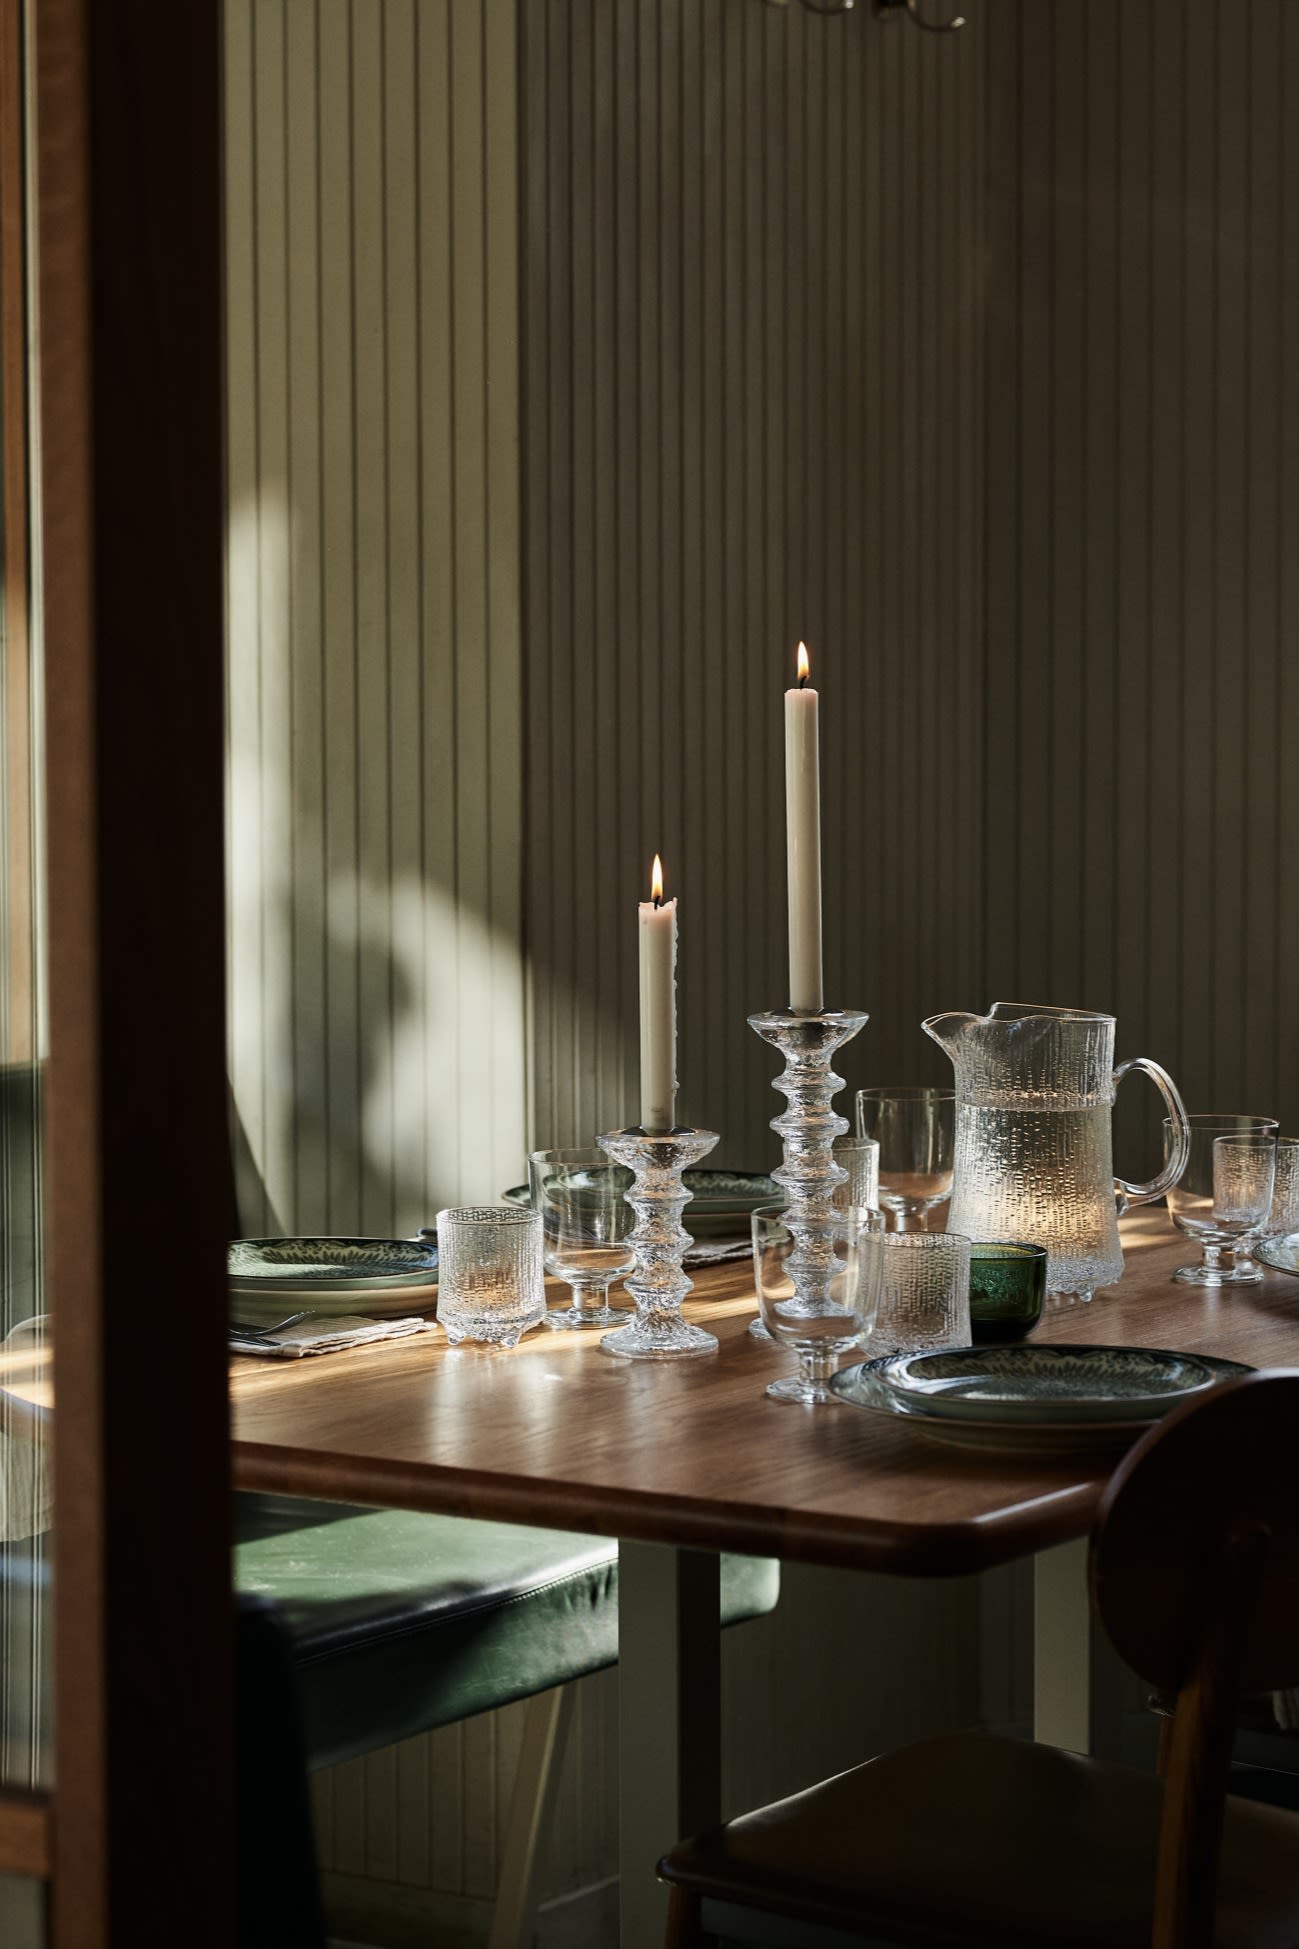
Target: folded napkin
column 716, row 1251
column 315, row 1336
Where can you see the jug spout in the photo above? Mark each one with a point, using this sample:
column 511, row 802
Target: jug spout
column 950, row 1029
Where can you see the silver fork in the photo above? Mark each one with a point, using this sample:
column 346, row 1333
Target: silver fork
column 242, row 1330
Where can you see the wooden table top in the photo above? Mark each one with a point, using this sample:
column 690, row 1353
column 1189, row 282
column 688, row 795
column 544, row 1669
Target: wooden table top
column 556, row 1433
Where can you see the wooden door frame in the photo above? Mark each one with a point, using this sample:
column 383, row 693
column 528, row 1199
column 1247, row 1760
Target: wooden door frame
column 129, row 413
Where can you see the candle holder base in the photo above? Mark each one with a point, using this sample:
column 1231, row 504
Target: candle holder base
column 659, row 1284
column 807, row 1129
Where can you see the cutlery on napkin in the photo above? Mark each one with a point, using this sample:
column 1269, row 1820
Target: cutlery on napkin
column 310, row 1335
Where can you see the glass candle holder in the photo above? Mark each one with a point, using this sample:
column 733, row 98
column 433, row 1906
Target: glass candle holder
column 657, row 1196
column 491, row 1285
column 1007, row 1289
column 924, row 1298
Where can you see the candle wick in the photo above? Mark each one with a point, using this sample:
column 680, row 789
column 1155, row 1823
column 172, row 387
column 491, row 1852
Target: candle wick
column 802, row 682
column 658, row 899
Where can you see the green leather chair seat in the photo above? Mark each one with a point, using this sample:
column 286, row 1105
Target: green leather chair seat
column 402, row 1622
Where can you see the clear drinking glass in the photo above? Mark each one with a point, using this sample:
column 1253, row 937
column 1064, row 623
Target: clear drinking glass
column 860, row 1157
column 924, row 1293
column 1190, row 1201
column 586, row 1227
column 916, row 1132
column 490, row 1281
column 823, row 1315
column 1223, row 1196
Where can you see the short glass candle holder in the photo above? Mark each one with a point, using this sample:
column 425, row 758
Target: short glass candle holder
column 491, row 1286
column 924, row 1295
column 1007, row 1289
column 659, row 1284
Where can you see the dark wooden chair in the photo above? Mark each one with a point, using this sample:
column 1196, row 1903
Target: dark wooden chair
column 974, row 1839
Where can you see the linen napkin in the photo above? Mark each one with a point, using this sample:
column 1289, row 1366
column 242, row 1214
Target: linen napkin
column 312, row 1336
column 717, row 1251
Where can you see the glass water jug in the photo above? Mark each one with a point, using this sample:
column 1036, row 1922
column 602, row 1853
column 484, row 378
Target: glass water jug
column 1035, row 1090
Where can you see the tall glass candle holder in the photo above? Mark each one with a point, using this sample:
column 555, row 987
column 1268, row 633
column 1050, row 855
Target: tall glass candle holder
column 659, row 1284
column 809, row 1174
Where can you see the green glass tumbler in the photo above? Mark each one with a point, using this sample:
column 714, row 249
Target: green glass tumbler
column 1007, row 1290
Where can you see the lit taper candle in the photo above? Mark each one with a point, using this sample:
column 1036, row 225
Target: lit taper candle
column 803, row 841
column 658, row 1008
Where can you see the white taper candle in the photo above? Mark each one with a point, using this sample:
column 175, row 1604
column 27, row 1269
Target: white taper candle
column 658, row 1008
column 803, row 841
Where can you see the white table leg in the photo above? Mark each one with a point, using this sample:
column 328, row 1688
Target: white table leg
column 1076, row 1677
column 669, row 1719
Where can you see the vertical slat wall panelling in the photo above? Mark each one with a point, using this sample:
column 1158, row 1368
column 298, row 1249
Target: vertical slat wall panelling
column 1140, row 451
column 752, row 285
column 374, row 696
column 375, row 682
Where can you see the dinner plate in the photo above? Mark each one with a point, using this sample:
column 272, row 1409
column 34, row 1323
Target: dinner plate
column 1280, row 1253
column 327, row 1274
column 1037, row 1383
column 720, row 1202
column 860, row 1387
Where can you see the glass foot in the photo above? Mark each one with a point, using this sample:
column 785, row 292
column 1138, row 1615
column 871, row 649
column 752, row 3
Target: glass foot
column 796, row 1387
column 758, row 1330
column 568, row 1319
column 658, row 1340
column 1218, row 1275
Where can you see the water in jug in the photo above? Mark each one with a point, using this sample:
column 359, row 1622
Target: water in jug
column 1035, row 1090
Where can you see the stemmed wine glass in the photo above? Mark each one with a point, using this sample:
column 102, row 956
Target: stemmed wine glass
column 838, row 1266
column 916, row 1131
column 586, row 1225
column 1192, row 1196
column 1223, row 1195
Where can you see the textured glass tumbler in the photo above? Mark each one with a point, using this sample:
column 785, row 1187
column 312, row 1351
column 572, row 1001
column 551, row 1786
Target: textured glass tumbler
column 490, row 1281
column 924, row 1295
column 860, row 1157
column 1007, row 1290
column 586, row 1224
column 1283, row 1218
column 1191, row 1202
column 822, row 1322
column 916, row 1132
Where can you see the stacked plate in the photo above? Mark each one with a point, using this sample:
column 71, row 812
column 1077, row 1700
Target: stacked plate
column 721, row 1203
column 1032, row 1397
column 382, row 1278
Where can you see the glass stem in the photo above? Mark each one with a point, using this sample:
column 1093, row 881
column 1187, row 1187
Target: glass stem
column 1213, row 1257
column 588, row 1297
column 817, row 1366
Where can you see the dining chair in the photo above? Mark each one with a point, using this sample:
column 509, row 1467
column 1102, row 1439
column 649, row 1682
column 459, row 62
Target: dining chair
column 976, row 1839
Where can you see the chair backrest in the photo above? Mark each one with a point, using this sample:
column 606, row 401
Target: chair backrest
column 1195, row 1575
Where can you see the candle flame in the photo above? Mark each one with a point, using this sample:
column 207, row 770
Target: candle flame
column 656, row 882
column 804, row 664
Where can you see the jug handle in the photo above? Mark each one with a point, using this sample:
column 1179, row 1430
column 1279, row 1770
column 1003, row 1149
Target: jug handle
column 1141, row 1194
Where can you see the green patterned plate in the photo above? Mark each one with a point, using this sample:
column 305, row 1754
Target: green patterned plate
column 861, row 1387
column 720, row 1202
column 318, row 1271
column 1282, row 1253
column 1043, row 1383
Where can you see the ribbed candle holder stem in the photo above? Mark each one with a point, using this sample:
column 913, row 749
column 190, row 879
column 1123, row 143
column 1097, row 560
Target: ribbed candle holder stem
column 807, row 1129
column 658, row 1196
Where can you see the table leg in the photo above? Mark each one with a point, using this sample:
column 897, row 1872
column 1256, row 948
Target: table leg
column 669, row 1719
column 1076, row 1701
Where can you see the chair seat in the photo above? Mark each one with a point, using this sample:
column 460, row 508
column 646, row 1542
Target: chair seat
column 974, row 1839
column 401, row 1622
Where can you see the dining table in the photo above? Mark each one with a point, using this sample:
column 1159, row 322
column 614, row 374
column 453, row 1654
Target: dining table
column 682, row 1459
